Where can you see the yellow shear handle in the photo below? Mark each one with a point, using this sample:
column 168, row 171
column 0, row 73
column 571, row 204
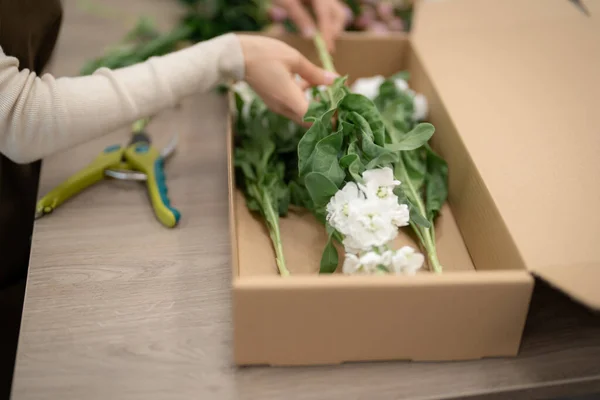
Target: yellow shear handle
column 145, row 158
column 94, row 172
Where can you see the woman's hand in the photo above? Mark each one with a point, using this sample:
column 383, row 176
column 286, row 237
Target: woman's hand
column 331, row 16
column 271, row 66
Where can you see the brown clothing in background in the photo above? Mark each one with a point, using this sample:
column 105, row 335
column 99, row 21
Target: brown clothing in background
column 28, row 31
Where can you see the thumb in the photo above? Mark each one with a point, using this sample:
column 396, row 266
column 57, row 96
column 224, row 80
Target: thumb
column 312, row 74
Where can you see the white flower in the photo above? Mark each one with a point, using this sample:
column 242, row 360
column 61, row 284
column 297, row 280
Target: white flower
column 404, row 261
column 366, row 264
column 369, row 225
column 351, row 264
column 368, row 215
column 244, row 90
column 368, row 87
column 380, row 183
column 419, row 101
column 401, row 85
column 400, row 214
column 407, row 261
column 370, row 261
column 338, row 210
column 352, row 245
column 247, row 95
column 386, row 258
column 421, row 108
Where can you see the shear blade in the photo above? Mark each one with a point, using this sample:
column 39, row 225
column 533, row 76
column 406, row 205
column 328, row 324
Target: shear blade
column 125, row 175
column 170, row 147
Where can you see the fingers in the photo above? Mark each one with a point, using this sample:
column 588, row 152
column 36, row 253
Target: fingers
column 342, row 15
column 331, row 19
column 312, row 74
column 302, row 84
column 295, row 104
column 300, row 16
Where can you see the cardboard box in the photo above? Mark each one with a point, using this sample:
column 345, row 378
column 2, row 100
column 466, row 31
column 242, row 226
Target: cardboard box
column 518, row 204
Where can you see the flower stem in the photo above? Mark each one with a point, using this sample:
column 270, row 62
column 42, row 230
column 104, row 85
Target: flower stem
column 425, row 235
column 326, row 60
column 324, row 55
column 272, row 218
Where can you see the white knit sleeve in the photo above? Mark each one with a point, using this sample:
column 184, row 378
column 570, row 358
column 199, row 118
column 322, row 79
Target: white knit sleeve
column 42, row 115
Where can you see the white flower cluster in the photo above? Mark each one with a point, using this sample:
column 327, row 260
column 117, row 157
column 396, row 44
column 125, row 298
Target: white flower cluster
column 403, row 261
column 369, row 87
column 368, row 215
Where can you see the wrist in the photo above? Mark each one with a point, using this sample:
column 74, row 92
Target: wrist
column 232, row 63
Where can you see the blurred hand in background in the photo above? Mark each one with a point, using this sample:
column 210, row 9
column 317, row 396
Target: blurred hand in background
column 331, row 17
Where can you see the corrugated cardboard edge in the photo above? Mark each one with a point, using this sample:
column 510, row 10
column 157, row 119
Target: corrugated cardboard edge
column 578, row 281
column 333, row 319
column 308, row 320
column 231, row 188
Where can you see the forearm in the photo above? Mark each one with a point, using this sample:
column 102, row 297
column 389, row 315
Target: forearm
column 40, row 116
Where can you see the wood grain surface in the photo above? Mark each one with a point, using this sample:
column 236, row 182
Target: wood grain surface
column 118, row 307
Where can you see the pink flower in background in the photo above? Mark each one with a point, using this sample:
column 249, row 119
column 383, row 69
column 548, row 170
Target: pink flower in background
column 277, row 14
column 366, row 18
column 349, row 16
column 396, row 25
column 378, row 28
column 385, row 10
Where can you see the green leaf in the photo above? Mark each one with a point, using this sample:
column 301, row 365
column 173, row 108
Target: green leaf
column 404, row 75
column 252, row 204
column 325, row 158
column 299, row 195
column 246, row 169
column 320, row 188
column 413, row 139
column 315, row 110
column 329, row 259
column 436, row 186
column 339, row 91
column 375, row 152
column 360, row 124
column 397, row 114
column 383, row 160
column 283, row 199
column 358, row 104
column 309, row 141
column 415, row 215
column 352, row 163
column 415, row 162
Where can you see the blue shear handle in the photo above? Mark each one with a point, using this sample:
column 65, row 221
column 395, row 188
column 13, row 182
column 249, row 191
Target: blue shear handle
column 167, row 214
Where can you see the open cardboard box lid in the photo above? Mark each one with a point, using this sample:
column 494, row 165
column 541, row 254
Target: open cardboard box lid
column 521, row 82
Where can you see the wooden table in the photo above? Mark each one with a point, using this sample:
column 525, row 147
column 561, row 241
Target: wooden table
column 118, row 307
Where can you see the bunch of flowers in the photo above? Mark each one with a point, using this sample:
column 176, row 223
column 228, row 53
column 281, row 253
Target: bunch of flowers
column 368, row 215
column 364, row 169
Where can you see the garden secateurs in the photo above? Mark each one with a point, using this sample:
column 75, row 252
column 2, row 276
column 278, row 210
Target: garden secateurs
column 138, row 161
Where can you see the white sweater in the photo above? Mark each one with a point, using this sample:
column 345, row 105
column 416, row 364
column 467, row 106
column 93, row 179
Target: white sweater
column 42, row 115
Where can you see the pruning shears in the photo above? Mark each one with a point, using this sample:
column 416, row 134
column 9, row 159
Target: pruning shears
column 138, row 161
